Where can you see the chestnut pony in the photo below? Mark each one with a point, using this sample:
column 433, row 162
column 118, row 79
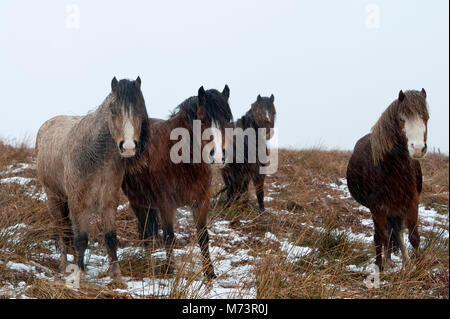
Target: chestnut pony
column 384, row 175
column 156, row 193
column 81, row 162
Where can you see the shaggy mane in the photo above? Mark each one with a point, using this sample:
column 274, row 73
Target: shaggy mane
column 385, row 133
column 216, row 107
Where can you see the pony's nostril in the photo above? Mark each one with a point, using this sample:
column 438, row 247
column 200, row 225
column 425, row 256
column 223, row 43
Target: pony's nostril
column 424, row 149
column 121, row 146
column 211, row 153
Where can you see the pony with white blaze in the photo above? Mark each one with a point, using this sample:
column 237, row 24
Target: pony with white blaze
column 81, row 162
column 384, row 175
column 168, row 184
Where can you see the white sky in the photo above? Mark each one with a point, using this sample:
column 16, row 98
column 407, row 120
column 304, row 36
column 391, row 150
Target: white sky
column 331, row 74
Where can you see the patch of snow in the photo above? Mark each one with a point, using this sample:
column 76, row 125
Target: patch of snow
column 22, row 166
column 17, row 180
column 342, row 187
column 367, row 222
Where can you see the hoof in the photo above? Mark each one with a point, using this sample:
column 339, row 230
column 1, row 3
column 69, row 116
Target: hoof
column 114, row 270
column 63, row 267
column 210, row 275
column 117, row 283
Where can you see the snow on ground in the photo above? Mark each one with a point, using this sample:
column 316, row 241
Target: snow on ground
column 233, row 262
column 429, row 218
column 18, row 180
column 341, row 187
column 20, row 167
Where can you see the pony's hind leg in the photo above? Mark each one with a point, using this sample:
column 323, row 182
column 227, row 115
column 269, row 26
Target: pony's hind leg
column 200, row 212
column 60, row 213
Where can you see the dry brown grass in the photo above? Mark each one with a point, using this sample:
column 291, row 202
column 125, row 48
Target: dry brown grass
column 305, row 212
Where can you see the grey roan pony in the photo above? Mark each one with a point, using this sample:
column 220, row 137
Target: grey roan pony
column 81, row 162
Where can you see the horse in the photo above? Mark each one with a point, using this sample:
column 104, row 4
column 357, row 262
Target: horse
column 156, row 193
column 237, row 176
column 384, row 175
column 81, row 162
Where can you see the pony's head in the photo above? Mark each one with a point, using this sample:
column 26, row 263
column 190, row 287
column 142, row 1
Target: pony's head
column 412, row 120
column 263, row 113
column 215, row 114
column 127, row 117
column 402, row 125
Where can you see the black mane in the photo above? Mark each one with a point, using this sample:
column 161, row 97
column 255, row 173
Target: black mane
column 131, row 96
column 128, row 93
column 216, row 107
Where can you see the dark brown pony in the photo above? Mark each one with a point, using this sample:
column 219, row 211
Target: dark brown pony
column 81, row 162
column 237, row 176
column 384, row 175
column 166, row 186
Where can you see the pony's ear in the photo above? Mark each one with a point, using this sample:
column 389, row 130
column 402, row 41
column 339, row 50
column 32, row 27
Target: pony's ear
column 424, row 93
column 114, row 84
column 138, row 82
column 226, row 92
column 272, row 98
column 201, row 96
column 401, row 95
column 201, row 112
column 259, row 98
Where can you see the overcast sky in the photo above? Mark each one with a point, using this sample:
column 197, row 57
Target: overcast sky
column 333, row 66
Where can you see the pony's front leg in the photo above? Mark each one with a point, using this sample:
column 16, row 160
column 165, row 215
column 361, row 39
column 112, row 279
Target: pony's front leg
column 80, row 230
column 111, row 246
column 147, row 223
column 200, row 218
column 167, row 221
column 258, row 180
column 405, row 257
column 379, row 240
column 413, row 225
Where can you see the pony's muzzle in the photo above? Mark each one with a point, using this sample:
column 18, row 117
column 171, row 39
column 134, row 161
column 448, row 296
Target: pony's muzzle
column 127, row 149
column 216, row 159
column 418, row 150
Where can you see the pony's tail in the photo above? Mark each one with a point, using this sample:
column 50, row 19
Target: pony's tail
column 394, row 227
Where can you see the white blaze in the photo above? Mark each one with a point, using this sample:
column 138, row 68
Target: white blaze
column 415, row 134
column 128, row 129
column 217, row 136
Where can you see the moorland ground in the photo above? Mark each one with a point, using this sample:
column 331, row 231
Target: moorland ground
column 314, row 241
